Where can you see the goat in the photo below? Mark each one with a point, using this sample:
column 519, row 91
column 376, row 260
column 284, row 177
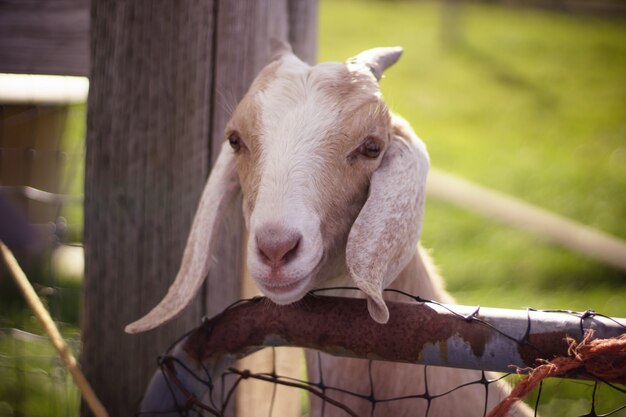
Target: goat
column 333, row 195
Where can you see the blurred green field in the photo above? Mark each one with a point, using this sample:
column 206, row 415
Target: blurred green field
column 528, row 102
column 33, row 380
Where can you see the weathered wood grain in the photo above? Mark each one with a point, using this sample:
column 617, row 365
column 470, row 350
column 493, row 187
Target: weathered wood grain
column 147, row 159
column 44, row 37
column 164, row 77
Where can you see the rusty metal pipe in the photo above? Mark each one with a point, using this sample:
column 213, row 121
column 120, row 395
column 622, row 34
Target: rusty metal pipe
column 489, row 339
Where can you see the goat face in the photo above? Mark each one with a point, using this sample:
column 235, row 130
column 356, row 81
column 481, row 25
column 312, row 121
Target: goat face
column 307, row 140
column 332, row 184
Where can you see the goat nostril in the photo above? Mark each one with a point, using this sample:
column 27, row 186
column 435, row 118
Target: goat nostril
column 276, row 246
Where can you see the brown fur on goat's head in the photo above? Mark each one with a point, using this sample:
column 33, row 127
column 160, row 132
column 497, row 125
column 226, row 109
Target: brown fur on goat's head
column 330, row 185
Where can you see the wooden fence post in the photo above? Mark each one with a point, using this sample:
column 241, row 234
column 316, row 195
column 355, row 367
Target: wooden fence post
column 160, row 72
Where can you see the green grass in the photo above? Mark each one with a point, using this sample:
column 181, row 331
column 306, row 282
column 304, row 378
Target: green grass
column 530, row 103
column 72, row 175
column 33, row 381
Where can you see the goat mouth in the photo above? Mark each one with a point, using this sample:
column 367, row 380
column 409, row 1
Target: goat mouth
column 285, row 293
column 282, row 288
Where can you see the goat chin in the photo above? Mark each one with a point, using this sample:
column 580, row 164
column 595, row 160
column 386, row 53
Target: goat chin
column 288, row 293
column 391, row 380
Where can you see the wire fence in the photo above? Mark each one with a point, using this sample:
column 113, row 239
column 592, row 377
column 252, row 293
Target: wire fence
column 194, row 370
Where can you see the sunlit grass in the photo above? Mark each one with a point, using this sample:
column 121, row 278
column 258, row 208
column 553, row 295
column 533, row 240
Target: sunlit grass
column 531, row 103
column 72, row 175
column 33, row 381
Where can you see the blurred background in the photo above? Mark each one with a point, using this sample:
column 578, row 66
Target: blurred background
column 525, row 97
column 525, row 100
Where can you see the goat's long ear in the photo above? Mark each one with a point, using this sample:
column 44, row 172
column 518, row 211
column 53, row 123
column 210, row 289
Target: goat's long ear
column 219, row 192
column 375, row 61
column 384, row 236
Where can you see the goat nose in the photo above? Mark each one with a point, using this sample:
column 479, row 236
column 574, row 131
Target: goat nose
column 277, row 245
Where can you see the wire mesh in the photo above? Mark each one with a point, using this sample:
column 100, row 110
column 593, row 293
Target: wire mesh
column 194, row 366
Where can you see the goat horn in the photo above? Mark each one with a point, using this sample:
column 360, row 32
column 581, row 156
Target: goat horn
column 219, row 192
column 375, row 60
column 279, row 48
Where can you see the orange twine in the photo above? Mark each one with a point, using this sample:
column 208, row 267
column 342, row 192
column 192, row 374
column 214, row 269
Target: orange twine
column 603, row 359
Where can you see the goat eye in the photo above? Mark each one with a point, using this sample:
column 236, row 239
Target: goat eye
column 235, row 141
column 370, row 148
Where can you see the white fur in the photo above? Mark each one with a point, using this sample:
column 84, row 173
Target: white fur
column 356, row 217
column 293, row 117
